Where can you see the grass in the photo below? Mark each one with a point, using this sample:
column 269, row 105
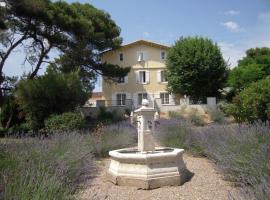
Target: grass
column 242, row 152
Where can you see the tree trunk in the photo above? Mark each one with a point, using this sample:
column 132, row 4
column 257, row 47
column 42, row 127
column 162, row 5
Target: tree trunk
column 40, row 60
column 3, row 60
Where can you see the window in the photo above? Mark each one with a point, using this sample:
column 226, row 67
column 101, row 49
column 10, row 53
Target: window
column 141, row 56
column 121, row 56
column 162, row 55
column 142, row 76
column 141, row 96
column 163, row 76
column 164, row 98
column 121, row 80
column 121, row 99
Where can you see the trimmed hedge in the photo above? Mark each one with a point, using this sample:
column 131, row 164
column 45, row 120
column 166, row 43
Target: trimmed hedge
column 65, row 121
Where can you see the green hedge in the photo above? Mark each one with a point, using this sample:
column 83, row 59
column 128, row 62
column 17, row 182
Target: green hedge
column 253, row 103
column 65, row 121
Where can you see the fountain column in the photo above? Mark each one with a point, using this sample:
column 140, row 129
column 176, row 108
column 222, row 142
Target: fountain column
column 145, row 123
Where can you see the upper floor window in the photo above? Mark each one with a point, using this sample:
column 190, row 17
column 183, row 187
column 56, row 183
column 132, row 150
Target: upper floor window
column 162, row 76
column 121, row 99
column 142, row 76
column 141, row 56
column 162, row 55
column 121, row 56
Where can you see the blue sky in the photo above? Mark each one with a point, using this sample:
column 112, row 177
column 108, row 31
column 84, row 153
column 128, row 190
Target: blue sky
column 235, row 25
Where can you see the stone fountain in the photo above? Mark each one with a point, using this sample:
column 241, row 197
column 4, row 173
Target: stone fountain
column 147, row 166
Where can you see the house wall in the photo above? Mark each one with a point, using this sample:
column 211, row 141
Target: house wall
column 153, row 64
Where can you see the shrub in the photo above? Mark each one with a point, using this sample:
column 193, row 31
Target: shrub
column 64, row 122
column 196, row 119
column 52, row 93
column 107, row 117
column 240, row 151
column 216, row 115
column 45, row 169
column 111, row 137
column 175, row 115
column 252, row 103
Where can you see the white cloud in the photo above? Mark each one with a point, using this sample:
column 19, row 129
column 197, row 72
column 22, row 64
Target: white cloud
column 232, row 26
column 232, row 12
column 264, row 17
column 231, row 53
column 146, row 34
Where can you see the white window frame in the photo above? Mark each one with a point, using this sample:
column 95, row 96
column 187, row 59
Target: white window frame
column 163, row 78
column 142, row 80
column 142, row 94
column 161, row 55
column 141, row 56
column 122, row 100
column 164, row 100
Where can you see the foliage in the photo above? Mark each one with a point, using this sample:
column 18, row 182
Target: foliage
column 44, row 169
column 255, row 66
column 240, row 151
column 107, row 117
column 114, row 136
column 80, row 32
column 196, row 119
column 216, row 115
column 64, row 122
column 252, row 103
column 195, row 67
column 7, row 112
column 52, row 93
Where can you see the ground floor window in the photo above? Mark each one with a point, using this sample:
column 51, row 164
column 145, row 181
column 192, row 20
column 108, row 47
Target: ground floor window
column 121, row 99
column 141, row 96
column 164, row 98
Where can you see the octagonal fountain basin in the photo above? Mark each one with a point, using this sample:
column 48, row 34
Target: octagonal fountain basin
column 147, row 170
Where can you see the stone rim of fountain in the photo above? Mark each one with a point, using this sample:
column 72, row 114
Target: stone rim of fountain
column 147, row 166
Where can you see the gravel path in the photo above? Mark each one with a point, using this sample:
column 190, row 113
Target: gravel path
column 206, row 183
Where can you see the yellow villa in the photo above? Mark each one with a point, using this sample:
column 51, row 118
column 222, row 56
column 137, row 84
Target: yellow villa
column 146, row 79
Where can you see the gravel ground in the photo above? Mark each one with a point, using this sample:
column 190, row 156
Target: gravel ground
column 206, row 183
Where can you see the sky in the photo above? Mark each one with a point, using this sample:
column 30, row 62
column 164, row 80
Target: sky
column 235, row 25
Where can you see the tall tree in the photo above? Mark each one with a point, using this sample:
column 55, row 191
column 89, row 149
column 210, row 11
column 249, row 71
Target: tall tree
column 195, row 67
column 43, row 25
column 253, row 67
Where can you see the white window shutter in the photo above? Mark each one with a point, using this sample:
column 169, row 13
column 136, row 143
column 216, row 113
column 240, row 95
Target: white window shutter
column 114, row 99
column 159, row 76
column 137, row 73
column 126, row 79
column 147, row 76
column 171, row 99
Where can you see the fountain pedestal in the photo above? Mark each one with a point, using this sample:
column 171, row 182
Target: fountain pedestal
column 147, row 166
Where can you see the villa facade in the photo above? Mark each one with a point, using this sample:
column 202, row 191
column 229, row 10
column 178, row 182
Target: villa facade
column 146, row 80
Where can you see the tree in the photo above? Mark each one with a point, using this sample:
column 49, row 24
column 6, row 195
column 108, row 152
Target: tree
column 53, row 93
column 253, row 67
column 195, row 67
column 43, row 25
column 252, row 103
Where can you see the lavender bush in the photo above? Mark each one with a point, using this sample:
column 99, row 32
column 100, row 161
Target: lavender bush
column 49, row 168
column 242, row 152
column 113, row 136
